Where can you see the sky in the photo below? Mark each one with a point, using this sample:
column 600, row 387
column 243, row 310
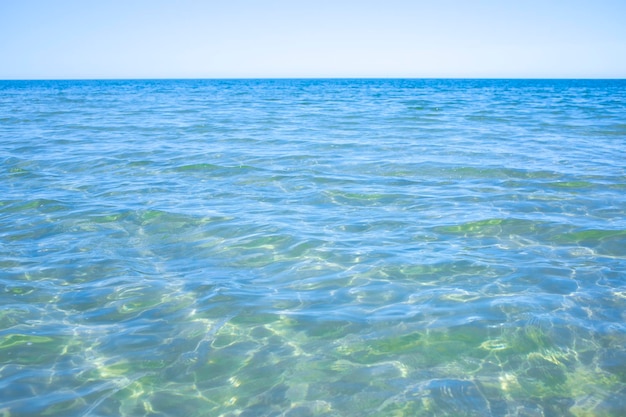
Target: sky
column 87, row 39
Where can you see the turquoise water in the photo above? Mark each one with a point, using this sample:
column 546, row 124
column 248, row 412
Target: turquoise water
column 313, row 248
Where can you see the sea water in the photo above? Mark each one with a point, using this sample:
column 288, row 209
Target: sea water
column 313, row 248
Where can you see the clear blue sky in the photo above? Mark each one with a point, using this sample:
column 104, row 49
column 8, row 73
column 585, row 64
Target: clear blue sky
column 312, row 38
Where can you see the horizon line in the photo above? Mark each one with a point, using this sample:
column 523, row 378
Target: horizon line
column 308, row 78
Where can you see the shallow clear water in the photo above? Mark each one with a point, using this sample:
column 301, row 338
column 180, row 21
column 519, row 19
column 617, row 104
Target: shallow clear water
column 313, row 248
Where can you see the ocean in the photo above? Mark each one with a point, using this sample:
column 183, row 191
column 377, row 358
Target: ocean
column 329, row 247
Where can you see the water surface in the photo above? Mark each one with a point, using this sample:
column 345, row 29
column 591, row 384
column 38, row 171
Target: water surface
column 313, row 248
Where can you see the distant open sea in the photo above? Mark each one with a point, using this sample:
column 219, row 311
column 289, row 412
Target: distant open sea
column 344, row 248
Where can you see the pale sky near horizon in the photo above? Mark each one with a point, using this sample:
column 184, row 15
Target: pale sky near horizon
column 73, row 39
